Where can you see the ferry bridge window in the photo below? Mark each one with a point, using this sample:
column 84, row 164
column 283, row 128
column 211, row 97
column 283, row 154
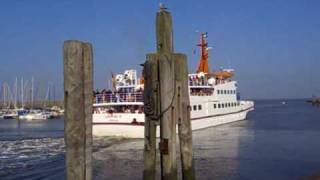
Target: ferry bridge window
column 218, row 91
column 199, row 107
column 219, row 105
column 194, row 107
column 229, row 104
column 222, row 105
column 225, row 91
column 214, row 106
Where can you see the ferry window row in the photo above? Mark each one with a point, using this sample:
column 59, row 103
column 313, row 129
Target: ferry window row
column 197, row 107
column 226, row 91
column 225, row 105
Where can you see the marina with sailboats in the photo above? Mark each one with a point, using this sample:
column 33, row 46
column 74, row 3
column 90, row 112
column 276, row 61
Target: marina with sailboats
column 19, row 102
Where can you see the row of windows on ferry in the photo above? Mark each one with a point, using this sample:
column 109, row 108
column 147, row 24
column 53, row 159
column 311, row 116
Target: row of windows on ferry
column 216, row 105
column 226, row 91
column 209, row 91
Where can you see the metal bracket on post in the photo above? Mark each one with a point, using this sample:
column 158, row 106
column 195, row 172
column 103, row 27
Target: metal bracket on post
column 164, row 146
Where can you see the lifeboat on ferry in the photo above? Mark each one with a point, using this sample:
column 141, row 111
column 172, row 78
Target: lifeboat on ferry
column 222, row 74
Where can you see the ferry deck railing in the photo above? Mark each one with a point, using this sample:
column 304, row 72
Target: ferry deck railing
column 118, row 97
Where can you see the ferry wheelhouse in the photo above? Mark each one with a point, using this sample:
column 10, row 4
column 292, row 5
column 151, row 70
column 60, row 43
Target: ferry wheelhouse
column 213, row 99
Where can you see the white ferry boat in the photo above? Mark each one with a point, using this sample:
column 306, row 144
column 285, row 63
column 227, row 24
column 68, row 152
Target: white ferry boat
column 213, row 100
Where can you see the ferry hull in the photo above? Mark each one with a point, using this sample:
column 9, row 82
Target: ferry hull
column 137, row 130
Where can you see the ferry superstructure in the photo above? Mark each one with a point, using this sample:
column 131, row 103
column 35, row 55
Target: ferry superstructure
column 213, row 101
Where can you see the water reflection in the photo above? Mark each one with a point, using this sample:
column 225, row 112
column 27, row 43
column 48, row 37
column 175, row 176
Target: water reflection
column 216, row 150
column 13, row 129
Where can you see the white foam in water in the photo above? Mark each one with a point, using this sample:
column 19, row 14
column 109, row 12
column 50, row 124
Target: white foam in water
column 22, row 153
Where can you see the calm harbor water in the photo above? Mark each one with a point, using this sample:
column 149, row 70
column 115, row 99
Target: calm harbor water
column 277, row 141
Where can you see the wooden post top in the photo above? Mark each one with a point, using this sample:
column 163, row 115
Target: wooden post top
column 164, row 31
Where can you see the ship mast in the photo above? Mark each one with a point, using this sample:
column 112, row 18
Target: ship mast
column 203, row 63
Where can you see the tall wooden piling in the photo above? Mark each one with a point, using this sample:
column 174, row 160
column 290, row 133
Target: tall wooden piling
column 166, row 101
column 184, row 120
column 151, row 108
column 167, row 117
column 78, row 88
column 167, row 94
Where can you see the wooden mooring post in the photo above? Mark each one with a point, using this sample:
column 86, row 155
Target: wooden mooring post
column 166, row 100
column 78, row 88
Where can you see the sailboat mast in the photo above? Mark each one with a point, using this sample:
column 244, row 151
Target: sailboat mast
column 16, row 93
column 32, row 92
column 47, row 98
column 54, row 93
column 4, row 95
column 22, row 88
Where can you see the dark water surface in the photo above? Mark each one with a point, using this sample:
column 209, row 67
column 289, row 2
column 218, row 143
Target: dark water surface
column 277, row 141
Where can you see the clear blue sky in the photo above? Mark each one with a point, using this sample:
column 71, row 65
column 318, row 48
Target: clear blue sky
column 273, row 45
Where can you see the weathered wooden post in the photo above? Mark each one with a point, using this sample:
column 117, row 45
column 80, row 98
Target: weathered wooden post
column 184, row 120
column 151, row 108
column 78, row 88
column 166, row 101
